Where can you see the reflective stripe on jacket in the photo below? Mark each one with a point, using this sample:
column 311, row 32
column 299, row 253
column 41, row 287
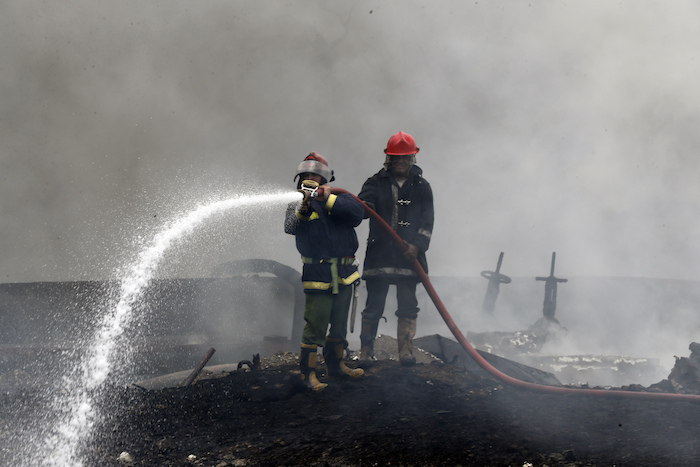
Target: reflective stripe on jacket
column 408, row 209
column 325, row 236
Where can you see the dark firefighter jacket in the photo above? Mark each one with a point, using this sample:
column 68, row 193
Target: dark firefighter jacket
column 409, row 211
column 327, row 241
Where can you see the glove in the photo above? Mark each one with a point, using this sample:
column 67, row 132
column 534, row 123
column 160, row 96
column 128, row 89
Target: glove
column 411, row 252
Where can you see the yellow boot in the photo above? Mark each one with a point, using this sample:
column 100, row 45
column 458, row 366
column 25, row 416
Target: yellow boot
column 307, row 364
column 334, row 352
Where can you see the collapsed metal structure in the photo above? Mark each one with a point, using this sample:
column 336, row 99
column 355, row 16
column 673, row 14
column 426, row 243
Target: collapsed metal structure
column 485, row 364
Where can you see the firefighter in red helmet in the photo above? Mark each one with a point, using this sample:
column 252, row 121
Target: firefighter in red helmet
column 404, row 199
column 324, row 226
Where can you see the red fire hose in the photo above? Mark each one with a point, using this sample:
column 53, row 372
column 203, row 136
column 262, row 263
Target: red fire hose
column 486, row 365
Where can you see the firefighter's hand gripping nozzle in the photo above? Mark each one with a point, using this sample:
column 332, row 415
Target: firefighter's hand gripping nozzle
column 309, row 189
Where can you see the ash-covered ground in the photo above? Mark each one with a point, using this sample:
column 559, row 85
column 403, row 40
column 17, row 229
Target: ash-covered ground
column 431, row 414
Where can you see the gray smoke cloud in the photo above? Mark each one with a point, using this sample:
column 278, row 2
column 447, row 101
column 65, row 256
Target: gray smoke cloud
column 543, row 126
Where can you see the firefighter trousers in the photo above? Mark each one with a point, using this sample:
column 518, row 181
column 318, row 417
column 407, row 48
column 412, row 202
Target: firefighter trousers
column 324, row 309
column 377, row 290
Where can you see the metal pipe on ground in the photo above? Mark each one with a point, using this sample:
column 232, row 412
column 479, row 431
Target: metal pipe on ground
column 190, row 379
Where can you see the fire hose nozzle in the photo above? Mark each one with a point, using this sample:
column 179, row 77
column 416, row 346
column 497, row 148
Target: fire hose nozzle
column 309, row 189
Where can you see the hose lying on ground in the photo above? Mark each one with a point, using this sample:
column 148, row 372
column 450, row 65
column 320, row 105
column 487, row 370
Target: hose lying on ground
column 486, row 365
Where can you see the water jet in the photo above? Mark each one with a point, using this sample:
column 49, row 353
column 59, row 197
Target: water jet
column 105, row 357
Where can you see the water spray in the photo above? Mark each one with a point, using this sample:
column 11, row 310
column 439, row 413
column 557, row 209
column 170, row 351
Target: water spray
column 83, row 387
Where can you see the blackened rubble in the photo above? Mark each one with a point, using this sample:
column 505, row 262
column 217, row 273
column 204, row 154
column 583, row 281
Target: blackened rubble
column 432, row 414
column 685, row 376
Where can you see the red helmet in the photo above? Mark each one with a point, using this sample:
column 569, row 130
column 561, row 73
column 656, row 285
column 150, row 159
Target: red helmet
column 401, row 144
column 316, row 164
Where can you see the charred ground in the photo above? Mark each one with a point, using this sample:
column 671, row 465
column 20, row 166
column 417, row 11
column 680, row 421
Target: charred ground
column 431, row 414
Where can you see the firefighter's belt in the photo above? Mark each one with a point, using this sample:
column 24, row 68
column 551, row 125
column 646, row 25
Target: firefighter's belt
column 346, row 260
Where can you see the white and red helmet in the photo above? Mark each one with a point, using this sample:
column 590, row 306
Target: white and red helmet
column 316, row 164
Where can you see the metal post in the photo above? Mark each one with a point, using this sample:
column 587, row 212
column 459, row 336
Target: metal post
column 190, row 379
column 550, row 291
column 495, row 279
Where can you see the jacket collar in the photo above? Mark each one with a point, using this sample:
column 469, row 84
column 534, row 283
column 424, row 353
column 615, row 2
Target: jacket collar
column 413, row 173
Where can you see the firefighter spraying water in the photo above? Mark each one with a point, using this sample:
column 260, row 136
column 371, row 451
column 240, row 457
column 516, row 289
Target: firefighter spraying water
column 324, row 226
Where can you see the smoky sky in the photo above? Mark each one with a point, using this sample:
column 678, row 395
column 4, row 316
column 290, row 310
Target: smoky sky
column 563, row 126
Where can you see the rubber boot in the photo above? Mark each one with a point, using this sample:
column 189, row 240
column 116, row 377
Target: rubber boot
column 406, row 331
column 334, row 352
column 367, row 336
column 307, row 365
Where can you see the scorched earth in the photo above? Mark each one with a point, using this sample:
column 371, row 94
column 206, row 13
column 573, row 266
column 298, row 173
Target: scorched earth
column 431, row 414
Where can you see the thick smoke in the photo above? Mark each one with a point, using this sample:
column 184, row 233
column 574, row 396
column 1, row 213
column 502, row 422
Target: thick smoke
column 543, row 126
